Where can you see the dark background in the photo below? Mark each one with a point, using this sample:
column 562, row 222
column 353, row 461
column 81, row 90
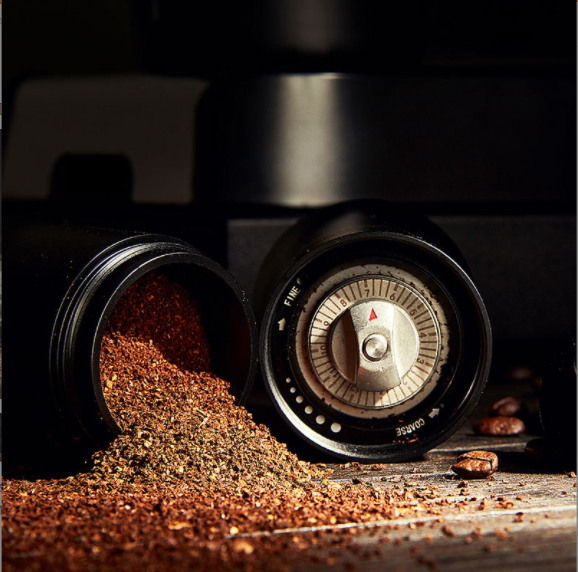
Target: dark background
column 464, row 111
column 66, row 37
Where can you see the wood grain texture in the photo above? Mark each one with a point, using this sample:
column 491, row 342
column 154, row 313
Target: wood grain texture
column 528, row 522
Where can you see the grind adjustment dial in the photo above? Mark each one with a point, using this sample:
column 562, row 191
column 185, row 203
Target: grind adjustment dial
column 375, row 343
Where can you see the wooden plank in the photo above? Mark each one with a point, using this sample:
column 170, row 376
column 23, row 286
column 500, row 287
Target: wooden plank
column 498, row 537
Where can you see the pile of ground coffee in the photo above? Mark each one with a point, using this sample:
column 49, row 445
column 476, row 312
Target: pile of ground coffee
column 180, row 422
column 190, row 476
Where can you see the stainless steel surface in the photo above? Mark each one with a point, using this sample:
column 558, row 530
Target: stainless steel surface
column 304, row 140
column 375, row 347
column 365, row 331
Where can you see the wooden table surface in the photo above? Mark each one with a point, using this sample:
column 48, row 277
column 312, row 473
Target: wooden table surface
column 543, row 538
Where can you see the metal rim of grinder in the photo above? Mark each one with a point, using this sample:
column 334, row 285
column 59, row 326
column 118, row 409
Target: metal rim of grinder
column 375, row 343
column 83, row 316
column 65, row 282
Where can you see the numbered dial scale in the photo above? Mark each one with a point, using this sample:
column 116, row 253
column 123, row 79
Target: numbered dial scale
column 377, row 357
column 370, row 341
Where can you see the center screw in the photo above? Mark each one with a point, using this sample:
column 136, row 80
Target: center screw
column 375, row 347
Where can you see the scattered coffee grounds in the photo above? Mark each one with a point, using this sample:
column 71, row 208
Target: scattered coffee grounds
column 500, row 426
column 476, row 465
column 509, row 407
column 192, row 478
column 448, row 531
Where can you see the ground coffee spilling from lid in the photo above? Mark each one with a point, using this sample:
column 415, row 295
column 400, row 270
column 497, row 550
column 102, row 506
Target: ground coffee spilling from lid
column 192, row 476
column 181, row 425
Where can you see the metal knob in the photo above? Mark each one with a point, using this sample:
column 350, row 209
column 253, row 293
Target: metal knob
column 374, row 344
column 375, row 347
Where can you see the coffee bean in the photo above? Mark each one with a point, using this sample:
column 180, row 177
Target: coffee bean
column 500, row 425
column 476, row 465
column 509, row 407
